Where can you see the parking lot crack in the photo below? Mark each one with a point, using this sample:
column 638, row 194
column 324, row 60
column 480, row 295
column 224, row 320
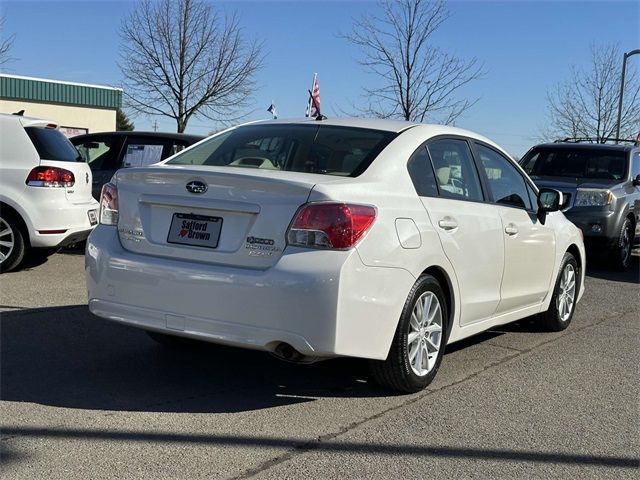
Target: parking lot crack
column 308, row 446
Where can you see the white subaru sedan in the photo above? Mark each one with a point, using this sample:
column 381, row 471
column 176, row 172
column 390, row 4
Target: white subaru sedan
column 316, row 239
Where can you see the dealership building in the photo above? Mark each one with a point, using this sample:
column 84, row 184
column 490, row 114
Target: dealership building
column 77, row 107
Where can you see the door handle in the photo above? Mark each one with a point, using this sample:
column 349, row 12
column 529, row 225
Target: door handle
column 448, row 224
column 511, row 229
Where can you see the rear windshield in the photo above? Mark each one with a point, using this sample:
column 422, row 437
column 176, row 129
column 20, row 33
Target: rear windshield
column 344, row 151
column 52, row 145
column 576, row 163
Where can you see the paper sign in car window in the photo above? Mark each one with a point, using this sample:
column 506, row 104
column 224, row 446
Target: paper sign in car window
column 141, row 155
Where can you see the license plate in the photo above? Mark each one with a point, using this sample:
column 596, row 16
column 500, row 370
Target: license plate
column 93, row 217
column 196, row 230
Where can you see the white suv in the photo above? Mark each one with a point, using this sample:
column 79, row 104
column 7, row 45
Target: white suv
column 45, row 190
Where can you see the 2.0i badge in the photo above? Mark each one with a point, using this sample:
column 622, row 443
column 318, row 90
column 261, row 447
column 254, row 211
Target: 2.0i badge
column 261, row 247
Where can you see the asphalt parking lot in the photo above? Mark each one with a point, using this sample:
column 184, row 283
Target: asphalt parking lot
column 85, row 398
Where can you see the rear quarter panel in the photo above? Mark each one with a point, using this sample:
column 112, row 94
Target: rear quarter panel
column 387, row 185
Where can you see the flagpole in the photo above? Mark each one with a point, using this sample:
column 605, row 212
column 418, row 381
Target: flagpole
column 313, row 82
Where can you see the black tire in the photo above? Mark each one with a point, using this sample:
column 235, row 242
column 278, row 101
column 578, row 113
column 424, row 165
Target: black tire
column 396, row 371
column 11, row 232
column 621, row 252
column 555, row 318
column 172, row 342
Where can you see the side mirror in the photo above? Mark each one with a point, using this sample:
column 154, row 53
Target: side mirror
column 636, row 181
column 549, row 200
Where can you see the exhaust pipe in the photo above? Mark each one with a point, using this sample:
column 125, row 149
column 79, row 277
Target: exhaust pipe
column 287, row 353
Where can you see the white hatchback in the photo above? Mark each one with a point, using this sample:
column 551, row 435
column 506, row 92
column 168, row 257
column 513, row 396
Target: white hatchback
column 315, row 239
column 45, row 190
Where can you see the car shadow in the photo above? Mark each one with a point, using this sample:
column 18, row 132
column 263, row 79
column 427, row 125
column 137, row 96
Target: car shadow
column 599, row 269
column 30, row 262
column 67, row 357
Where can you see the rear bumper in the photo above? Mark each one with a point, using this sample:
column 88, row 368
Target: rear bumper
column 322, row 303
column 70, row 236
column 59, row 215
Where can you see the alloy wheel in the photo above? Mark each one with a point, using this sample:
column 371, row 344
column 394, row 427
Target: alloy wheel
column 425, row 333
column 7, row 240
column 625, row 245
column 566, row 293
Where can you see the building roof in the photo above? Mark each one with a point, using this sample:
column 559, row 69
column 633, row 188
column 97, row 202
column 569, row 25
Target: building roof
column 30, row 89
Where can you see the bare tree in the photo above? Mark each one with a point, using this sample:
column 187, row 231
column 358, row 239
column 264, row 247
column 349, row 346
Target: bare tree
column 586, row 105
column 419, row 80
column 180, row 58
column 5, row 44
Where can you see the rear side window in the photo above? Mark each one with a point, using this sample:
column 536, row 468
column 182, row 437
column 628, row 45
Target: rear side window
column 52, row 145
column 421, row 173
column 330, row 150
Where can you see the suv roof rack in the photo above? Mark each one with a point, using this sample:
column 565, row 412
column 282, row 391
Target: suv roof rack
column 595, row 140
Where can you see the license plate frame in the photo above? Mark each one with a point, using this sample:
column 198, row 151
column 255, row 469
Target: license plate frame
column 204, row 231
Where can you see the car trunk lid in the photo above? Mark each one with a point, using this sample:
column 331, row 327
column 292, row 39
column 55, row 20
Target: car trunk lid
column 236, row 217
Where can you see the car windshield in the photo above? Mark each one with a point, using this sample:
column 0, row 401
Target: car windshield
column 52, row 145
column 331, row 150
column 576, row 163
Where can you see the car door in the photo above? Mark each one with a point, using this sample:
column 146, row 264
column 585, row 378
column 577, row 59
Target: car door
column 469, row 229
column 102, row 153
column 529, row 246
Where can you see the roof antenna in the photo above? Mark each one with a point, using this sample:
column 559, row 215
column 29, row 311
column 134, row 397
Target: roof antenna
column 20, row 113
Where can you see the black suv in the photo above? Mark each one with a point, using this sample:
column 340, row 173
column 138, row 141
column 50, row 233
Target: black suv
column 106, row 152
column 601, row 190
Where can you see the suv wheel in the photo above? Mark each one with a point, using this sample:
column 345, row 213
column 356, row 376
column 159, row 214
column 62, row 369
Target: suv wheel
column 621, row 253
column 12, row 247
column 418, row 345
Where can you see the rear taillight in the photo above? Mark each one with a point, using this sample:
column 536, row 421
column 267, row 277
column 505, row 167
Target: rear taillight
column 330, row 225
column 50, row 177
column 109, row 204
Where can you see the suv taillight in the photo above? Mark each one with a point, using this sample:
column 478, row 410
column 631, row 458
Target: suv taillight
column 330, row 225
column 109, row 204
column 50, row 177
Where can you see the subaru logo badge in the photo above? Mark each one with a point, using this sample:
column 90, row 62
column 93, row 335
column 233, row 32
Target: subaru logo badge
column 196, row 187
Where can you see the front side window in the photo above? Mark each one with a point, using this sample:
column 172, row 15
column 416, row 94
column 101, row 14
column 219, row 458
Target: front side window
column 52, row 145
column 581, row 162
column 455, row 171
column 101, row 154
column 331, row 150
column 507, row 185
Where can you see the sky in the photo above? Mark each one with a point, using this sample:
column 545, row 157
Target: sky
column 527, row 47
